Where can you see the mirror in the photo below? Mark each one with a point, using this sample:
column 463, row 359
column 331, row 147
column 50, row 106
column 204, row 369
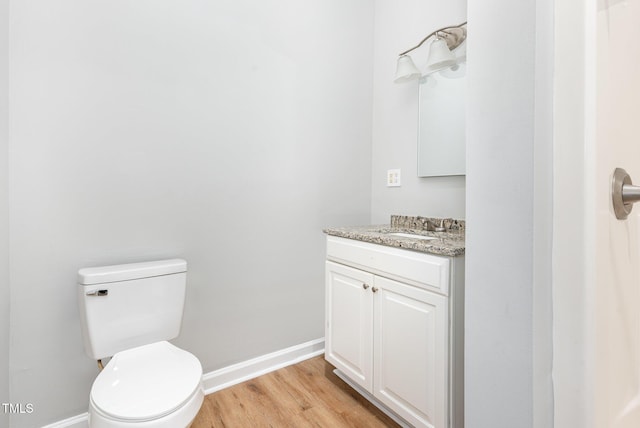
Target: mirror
column 441, row 123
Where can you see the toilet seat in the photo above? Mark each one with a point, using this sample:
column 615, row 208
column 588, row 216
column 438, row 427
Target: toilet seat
column 146, row 383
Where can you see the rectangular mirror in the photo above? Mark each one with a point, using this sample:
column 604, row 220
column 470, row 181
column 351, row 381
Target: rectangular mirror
column 441, row 132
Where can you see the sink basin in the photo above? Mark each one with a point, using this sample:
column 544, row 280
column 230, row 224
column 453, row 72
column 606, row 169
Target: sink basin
column 411, row 235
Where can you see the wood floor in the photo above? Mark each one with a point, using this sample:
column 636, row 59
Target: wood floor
column 307, row 394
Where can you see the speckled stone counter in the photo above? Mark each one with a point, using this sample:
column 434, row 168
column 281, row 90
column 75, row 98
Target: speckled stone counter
column 448, row 243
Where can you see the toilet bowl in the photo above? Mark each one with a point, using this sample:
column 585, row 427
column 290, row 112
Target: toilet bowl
column 151, row 386
column 128, row 314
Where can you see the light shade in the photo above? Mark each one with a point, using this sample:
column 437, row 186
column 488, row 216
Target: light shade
column 440, row 56
column 406, row 70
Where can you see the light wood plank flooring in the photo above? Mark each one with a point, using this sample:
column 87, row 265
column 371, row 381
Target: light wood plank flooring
column 307, row 394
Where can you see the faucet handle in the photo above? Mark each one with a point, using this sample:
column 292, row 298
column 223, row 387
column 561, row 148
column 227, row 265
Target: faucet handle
column 440, row 228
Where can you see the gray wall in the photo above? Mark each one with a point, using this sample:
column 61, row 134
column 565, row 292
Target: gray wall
column 508, row 266
column 399, row 25
column 228, row 133
column 4, row 209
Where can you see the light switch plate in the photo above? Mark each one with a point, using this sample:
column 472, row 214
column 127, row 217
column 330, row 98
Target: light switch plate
column 393, row 178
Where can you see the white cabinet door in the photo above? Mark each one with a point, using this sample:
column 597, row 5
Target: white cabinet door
column 411, row 352
column 349, row 322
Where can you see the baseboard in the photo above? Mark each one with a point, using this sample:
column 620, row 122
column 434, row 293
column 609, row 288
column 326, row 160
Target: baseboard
column 232, row 375
column 79, row 421
column 246, row 370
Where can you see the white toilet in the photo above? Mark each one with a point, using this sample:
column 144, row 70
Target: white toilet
column 128, row 313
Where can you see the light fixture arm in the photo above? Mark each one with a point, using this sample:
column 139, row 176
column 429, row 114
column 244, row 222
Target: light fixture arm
column 456, row 37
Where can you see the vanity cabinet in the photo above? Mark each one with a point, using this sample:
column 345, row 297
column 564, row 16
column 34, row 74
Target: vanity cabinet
column 393, row 331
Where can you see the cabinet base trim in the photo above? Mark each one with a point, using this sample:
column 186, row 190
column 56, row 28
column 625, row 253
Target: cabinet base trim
column 373, row 400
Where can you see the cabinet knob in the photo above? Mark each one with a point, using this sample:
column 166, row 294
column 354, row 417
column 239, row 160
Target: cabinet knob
column 365, row 286
column 374, row 289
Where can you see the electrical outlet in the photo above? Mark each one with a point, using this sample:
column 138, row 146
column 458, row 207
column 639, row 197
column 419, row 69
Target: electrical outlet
column 393, row 178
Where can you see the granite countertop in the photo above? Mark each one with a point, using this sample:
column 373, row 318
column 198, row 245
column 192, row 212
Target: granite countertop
column 447, row 243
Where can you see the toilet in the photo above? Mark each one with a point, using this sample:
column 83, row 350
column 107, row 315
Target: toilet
column 128, row 313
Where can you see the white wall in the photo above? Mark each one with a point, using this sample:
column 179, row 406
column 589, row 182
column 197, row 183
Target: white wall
column 399, row 25
column 543, row 211
column 227, row 132
column 4, row 209
column 508, row 266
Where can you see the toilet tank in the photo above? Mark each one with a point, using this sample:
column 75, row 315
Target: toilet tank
column 129, row 305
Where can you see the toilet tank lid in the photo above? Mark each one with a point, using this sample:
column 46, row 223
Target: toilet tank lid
column 130, row 271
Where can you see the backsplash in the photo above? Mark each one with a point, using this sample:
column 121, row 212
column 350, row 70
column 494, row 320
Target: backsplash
column 425, row 223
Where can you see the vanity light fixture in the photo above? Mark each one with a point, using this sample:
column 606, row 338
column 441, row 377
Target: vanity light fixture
column 440, row 55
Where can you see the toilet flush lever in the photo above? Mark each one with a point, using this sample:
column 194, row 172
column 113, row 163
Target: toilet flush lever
column 98, row 293
column 624, row 193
